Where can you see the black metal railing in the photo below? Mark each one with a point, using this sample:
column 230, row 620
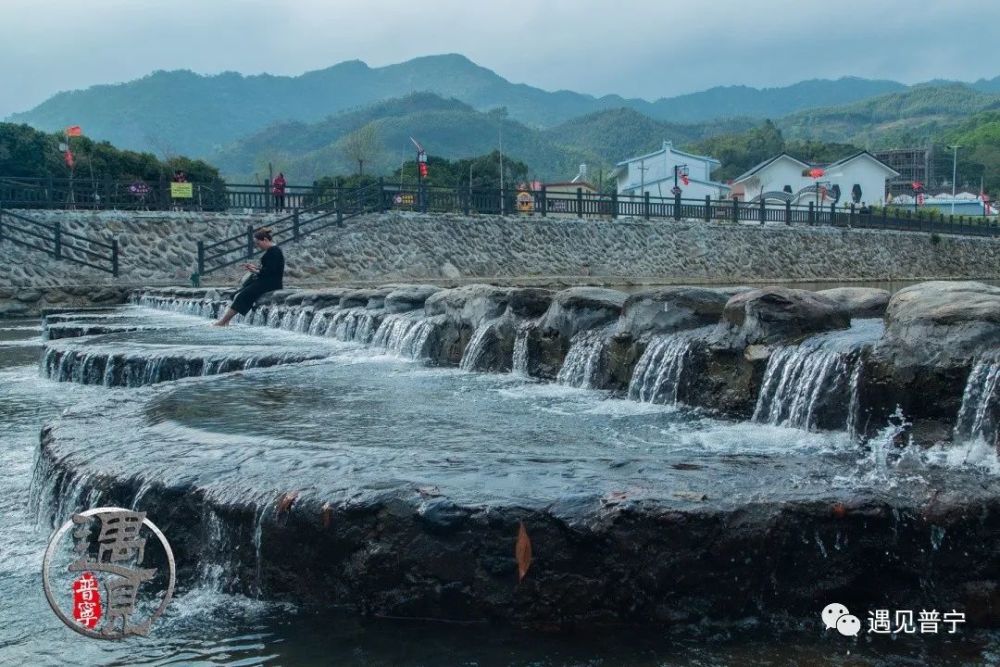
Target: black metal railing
column 302, row 222
column 53, row 240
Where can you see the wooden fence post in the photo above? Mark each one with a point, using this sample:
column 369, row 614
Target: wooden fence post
column 788, row 211
column 812, row 213
column 736, row 209
column 579, row 202
column 645, row 201
column 545, row 201
column 763, row 211
column 614, row 204
column 677, row 206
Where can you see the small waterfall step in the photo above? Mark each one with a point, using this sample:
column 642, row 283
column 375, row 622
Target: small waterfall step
column 979, row 416
column 814, row 385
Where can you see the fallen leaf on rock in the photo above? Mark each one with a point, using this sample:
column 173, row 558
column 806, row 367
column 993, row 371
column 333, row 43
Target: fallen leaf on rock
column 522, row 552
column 327, row 513
column 286, row 500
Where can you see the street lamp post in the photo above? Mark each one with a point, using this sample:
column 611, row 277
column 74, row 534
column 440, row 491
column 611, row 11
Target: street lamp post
column 679, row 169
column 954, row 174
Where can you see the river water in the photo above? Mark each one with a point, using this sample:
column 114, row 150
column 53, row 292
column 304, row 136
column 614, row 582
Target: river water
column 373, row 402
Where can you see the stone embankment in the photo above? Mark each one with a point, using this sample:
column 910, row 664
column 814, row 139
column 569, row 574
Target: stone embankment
column 161, row 248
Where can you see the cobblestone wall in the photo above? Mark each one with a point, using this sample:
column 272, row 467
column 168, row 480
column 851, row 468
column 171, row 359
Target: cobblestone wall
column 160, row 248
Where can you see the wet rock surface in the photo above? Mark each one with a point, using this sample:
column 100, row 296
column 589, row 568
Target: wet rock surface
column 127, row 351
column 583, row 337
column 410, row 532
column 935, row 332
column 669, row 309
column 778, row 314
column 859, row 302
column 400, row 491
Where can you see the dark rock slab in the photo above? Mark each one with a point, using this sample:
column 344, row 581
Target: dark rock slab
column 860, row 302
column 778, row 315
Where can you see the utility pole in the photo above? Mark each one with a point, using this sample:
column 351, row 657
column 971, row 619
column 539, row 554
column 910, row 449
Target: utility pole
column 954, row 174
column 501, row 167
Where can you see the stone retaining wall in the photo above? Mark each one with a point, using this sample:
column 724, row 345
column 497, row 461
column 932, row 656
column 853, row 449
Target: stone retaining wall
column 160, row 248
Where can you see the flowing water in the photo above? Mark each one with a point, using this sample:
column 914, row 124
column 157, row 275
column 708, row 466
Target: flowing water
column 979, row 416
column 815, row 384
column 659, row 371
column 585, row 358
column 339, row 424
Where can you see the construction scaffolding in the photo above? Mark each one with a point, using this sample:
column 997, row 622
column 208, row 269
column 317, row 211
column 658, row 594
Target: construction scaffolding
column 913, row 165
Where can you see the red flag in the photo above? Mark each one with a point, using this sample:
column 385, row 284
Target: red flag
column 69, row 159
column 74, row 131
column 685, row 180
column 814, row 172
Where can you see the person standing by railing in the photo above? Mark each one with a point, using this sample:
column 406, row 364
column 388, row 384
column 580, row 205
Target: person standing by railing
column 278, row 190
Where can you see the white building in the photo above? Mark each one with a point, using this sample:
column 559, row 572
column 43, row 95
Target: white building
column 654, row 173
column 860, row 178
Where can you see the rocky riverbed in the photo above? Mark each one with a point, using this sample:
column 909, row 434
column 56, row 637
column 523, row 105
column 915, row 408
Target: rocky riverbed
column 739, row 461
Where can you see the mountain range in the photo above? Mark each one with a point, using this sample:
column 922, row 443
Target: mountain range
column 242, row 122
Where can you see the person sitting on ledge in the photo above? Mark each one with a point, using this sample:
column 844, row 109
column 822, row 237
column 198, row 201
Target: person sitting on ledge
column 268, row 277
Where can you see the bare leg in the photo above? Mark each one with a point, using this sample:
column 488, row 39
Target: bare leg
column 230, row 314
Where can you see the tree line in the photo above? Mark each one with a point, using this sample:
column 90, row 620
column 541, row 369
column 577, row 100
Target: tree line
column 29, row 153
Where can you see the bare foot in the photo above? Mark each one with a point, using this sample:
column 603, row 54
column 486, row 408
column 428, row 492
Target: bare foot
column 219, row 324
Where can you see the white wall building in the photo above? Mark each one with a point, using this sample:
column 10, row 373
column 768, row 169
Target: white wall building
column 782, row 178
column 654, row 173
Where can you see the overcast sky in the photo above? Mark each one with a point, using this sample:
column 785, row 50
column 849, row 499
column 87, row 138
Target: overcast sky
column 636, row 48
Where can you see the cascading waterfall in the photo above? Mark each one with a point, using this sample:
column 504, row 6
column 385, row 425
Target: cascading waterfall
column 979, row 416
column 274, row 317
column 658, row 373
column 476, row 348
column 584, row 358
column 320, row 322
column 796, row 379
column 814, row 385
column 343, row 324
column 303, row 321
column 520, row 361
column 404, row 334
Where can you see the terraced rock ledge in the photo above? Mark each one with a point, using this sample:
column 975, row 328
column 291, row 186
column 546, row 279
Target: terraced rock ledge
column 390, row 487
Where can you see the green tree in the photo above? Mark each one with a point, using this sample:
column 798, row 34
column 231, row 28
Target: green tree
column 483, row 170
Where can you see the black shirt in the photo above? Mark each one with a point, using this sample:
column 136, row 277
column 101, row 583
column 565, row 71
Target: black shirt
column 272, row 268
